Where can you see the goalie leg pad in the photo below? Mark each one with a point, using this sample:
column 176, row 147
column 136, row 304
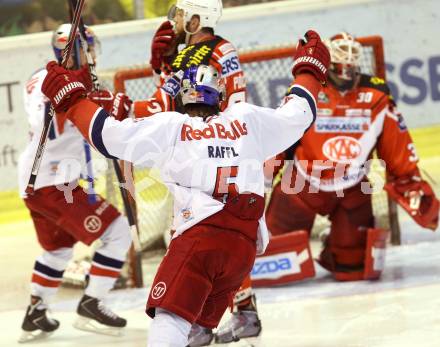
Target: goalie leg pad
column 345, row 248
column 287, row 212
column 345, row 272
column 287, row 259
column 375, row 253
column 373, row 264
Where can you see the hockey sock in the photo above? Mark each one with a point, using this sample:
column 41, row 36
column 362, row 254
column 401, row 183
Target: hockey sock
column 244, row 293
column 168, row 329
column 103, row 274
column 48, row 273
column 109, row 258
column 248, row 304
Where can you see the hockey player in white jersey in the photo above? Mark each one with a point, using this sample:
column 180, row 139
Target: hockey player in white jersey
column 213, row 163
column 61, row 219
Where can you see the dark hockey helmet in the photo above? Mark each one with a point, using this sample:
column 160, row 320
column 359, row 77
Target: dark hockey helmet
column 201, row 85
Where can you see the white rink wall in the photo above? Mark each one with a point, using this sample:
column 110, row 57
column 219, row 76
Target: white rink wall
column 412, row 52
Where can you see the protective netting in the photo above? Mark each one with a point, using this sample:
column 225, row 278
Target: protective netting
column 153, row 204
column 267, row 81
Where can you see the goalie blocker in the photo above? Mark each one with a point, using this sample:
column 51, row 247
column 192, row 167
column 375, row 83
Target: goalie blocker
column 288, row 259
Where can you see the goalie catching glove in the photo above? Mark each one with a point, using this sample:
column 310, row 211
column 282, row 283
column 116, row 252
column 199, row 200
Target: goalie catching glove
column 417, row 198
column 312, row 56
column 118, row 105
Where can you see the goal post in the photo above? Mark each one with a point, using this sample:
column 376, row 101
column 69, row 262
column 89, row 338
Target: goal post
column 268, row 74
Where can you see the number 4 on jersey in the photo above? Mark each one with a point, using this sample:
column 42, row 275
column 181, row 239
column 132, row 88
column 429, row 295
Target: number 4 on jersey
column 225, row 187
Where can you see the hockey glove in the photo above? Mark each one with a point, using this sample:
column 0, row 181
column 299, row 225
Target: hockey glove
column 417, row 198
column 84, row 77
column 118, row 105
column 62, row 87
column 312, row 56
column 161, row 45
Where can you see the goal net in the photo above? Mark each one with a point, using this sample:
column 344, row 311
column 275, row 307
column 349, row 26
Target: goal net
column 267, row 73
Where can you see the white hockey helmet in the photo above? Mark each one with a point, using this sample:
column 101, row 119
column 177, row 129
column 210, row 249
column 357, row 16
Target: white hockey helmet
column 209, row 11
column 345, row 57
column 344, row 49
column 60, row 37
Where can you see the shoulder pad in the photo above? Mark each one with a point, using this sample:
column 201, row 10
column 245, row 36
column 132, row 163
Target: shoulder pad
column 214, row 42
column 195, row 54
column 225, row 47
column 374, row 82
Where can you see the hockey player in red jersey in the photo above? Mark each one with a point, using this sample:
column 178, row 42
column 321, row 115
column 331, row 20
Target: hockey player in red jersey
column 62, row 214
column 192, row 23
column 356, row 115
column 213, row 163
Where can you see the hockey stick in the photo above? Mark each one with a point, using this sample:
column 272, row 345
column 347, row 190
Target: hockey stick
column 91, row 194
column 127, row 207
column 49, row 118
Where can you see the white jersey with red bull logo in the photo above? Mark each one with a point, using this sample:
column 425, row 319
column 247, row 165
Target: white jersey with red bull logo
column 203, row 161
column 63, row 156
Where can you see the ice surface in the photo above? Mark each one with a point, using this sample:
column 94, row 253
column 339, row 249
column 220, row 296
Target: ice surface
column 401, row 309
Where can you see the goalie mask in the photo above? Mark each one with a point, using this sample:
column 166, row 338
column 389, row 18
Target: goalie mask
column 209, row 12
column 345, row 53
column 201, row 85
column 61, row 35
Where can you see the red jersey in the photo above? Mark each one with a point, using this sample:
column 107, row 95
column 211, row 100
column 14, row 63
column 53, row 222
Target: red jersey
column 217, row 52
column 349, row 126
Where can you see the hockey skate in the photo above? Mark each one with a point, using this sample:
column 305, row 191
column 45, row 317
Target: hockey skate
column 243, row 324
column 200, row 336
column 96, row 318
column 36, row 325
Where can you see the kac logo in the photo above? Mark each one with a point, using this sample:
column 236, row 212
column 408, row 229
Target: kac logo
column 342, row 149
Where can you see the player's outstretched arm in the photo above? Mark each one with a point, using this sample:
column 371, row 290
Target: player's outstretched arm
column 162, row 46
column 311, row 57
column 159, row 102
column 138, row 142
column 283, row 127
